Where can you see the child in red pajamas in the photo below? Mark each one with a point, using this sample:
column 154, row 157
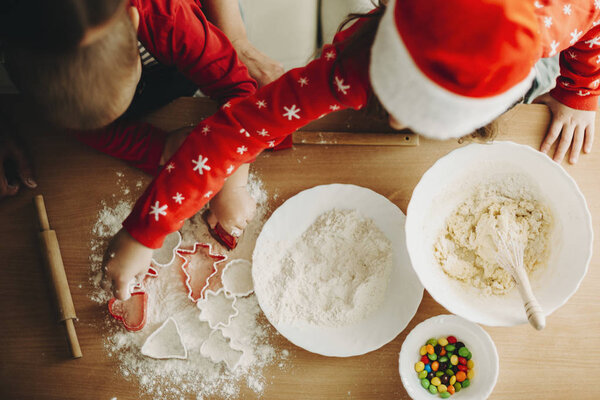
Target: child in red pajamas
column 437, row 79
column 116, row 74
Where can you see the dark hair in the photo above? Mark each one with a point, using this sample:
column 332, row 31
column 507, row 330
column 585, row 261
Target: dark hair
column 52, row 25
column 361, row 41
column 82, row 87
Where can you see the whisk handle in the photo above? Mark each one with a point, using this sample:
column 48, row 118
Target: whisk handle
column 534, row 311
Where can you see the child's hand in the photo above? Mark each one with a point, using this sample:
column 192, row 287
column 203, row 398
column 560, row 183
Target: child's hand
column 124, row 259
column 14, row 165
column 233, row 208
column 575, row 128
column 260, row 67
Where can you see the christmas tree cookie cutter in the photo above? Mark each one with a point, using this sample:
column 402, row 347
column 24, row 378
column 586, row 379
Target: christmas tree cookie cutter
column 201, row 269
column 218, row 349
column 237, row 278
column 217, row 308
column 165, row 256
column 165, row 342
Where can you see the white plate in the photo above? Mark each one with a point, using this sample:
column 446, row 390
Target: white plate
column 450, row 180
column 478, row 342
column 404, row 292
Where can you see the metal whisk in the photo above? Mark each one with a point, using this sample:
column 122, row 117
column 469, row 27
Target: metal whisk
column 510, row 257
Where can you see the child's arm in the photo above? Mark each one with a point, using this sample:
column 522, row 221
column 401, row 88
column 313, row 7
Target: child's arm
column 574, row 100
column 235, row 135
column 232, row 206
column 137, row 143
column 226, row 15
column 178, row 33
column 239, row 132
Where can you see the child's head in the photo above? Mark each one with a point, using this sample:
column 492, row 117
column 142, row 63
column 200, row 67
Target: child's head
column 55, row 25
column 88, row 86
column 446, row 70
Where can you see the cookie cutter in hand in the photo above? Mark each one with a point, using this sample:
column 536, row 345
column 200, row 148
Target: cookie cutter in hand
column 165, row 256
column 201, row 269
column 221, row 235
column 132, row 311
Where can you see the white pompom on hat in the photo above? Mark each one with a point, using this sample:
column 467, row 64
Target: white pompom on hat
column 445, row 68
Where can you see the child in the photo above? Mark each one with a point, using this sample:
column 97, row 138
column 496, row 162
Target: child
column 440, row 81
column 176, row 52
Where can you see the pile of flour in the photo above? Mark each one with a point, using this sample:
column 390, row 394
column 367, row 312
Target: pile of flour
column 466, row 248
column 335, row 274
column 167, row 297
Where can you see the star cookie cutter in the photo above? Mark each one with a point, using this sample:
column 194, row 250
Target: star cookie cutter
column 218, row 349
column 237, row 278
column 165, row 256
column 131, row 312
column 201, row 269
column 165, row 342
column 217, row 308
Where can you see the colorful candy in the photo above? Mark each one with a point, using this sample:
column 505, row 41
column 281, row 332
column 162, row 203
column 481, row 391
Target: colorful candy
column 419, row 366
column 445, row 366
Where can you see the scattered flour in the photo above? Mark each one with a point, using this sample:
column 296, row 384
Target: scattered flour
column 335, row 274
column 197, row 375
column 466, row 248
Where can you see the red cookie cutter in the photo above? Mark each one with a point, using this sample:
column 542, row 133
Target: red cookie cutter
column 201, row 269
column 220, row 234
column 132, row 312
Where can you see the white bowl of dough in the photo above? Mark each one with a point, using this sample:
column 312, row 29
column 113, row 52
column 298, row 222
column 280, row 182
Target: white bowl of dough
column 482, row 182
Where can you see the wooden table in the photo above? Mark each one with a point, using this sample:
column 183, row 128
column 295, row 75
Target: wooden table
column 557, row 363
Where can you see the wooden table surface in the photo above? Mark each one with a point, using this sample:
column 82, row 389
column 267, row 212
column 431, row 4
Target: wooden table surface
column 558, row 363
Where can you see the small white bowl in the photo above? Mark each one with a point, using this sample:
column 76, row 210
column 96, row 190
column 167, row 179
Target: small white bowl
column 478, row 342
column 447, row 184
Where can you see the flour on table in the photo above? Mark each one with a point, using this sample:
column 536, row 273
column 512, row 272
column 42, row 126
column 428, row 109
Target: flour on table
column 466, row 249
column 335, row 274
column 197, row 376
column 165, row 342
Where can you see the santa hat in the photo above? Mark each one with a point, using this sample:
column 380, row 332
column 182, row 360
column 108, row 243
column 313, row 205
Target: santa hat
column 445, row 68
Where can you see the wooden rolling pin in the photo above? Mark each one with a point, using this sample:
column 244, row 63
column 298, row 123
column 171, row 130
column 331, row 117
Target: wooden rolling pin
column 58, row 277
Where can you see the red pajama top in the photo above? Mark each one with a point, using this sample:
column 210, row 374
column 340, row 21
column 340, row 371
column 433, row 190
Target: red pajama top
column 176, row 33
column 243, row 128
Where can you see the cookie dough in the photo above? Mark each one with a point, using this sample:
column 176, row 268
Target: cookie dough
column 466, row 250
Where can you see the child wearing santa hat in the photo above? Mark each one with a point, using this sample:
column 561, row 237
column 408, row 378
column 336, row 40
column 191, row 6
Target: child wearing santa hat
column 441, row 68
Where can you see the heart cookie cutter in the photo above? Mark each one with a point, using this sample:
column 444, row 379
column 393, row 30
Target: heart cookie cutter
column 132, row 311
column 201, row 269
